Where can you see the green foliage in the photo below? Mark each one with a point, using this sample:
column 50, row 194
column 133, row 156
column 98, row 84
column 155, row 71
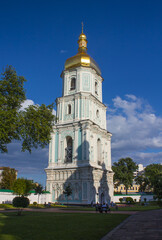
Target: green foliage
column 8, row 178
column 38, row 190
column 153, row 173
column 121, row 200
column 67, row 191
column 58, row 206
column 157, row 184
column 12, row 94
column 123, row 170
column 151, row 180
column 6, row 206
column 143, row 182
column 129, row 200
column 33, row 125
column 22, row 187
column 35, row 203
column 20, row 202
column 36, row 126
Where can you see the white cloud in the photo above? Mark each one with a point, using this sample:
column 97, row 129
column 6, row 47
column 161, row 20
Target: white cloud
column 54, row 112
column 29, row 102
column 63, row 51
column 26, row 104
column 135, row 128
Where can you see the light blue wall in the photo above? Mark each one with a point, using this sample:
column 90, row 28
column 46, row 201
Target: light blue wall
column 84, row 190
column 60, row 111
column 72, row 200
column 56, row 147
column 87, row 104
column 53, row 195
column 50, row 151
column 79, row 108
column 86, row 81
column 79, row 144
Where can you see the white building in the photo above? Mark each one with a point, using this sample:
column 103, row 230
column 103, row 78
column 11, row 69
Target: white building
column 80, row 148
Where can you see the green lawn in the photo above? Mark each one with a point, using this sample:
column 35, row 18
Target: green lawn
column 57, row 226
column 137, row 208
column 127, row 208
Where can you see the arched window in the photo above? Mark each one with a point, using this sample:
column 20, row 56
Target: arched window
column 99, row 151
column 69, row 109
column 96, row 88
column 73, row 84
column 68, row 149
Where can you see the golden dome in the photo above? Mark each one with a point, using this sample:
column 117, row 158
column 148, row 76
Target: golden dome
column 82, row 58
column 82, row 36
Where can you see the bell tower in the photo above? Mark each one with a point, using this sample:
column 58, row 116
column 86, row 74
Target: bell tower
column 80, row 147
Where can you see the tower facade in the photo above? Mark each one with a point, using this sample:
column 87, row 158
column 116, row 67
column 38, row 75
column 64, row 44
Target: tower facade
column 80, row 147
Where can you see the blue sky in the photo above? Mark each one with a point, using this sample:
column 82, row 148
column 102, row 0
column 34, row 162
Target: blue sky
column 124, row 38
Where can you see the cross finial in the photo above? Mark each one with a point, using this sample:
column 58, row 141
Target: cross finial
column 82, row 27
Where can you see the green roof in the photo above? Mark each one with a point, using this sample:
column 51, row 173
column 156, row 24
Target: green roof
column 136, row 194
column 6, row 190
column 32, row 191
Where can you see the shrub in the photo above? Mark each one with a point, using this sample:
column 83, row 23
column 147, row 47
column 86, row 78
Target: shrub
column 129, row 200
column 159, row 202
column 121, row 200
column 6, row 206
column 20, row 202
column 35, row 203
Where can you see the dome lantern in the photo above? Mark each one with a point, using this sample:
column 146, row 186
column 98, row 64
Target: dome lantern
column 82, row 58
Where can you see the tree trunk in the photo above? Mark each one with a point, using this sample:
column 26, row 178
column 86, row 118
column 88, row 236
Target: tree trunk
column 19, row 213
column 126, row 190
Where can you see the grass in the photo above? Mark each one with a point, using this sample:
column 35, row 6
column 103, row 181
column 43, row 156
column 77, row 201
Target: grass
column 136, row 207
column 57, row 226
column 7, row 206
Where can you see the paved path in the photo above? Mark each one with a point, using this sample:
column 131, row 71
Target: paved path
column 146, row 225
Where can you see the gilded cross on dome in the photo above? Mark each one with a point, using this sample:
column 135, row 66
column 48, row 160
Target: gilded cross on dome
column 82, row 27
column 82, row 42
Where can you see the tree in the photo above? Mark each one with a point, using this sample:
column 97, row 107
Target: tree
column 33, row 125
column 151, row 180
column 38, row 190
column 123, row 172
column 143, row 182
column 151, row 171
column 8, row 178
column 67, row 192
column 12, row 94
column 158, row 187
column 22, row 187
